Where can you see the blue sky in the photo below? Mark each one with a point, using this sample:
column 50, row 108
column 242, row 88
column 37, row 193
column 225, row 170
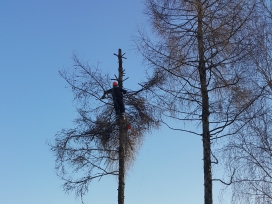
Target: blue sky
column 37, row 39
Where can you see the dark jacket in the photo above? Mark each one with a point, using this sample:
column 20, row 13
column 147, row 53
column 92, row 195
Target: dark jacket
column 116, row 92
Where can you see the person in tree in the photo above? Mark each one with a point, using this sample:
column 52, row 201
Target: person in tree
column 117, row 97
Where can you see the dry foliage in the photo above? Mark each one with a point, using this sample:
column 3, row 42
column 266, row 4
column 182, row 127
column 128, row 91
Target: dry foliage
column 90, row 150
column 201, row 52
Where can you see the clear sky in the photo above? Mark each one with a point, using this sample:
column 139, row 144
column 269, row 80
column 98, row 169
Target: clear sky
column 37, row 39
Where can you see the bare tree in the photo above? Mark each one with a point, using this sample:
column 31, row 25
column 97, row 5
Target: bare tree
column 249, row 152
column 99, row 145
column 201, row 57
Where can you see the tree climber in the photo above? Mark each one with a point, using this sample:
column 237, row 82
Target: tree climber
column 117, row 97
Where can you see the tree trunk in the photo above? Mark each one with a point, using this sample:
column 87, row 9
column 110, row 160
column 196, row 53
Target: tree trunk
column 205, row 111
column 121, row 184
column 121, row 176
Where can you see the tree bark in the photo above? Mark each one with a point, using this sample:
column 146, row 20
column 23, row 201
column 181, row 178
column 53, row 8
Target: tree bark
column 121, row 183
column 121, row 176
column 205, row 110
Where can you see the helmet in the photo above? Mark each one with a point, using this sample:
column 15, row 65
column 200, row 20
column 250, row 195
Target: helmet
column 115, row 83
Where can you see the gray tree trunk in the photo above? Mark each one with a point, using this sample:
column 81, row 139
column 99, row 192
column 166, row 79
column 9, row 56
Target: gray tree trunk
column 121, row 176
column 205, row 111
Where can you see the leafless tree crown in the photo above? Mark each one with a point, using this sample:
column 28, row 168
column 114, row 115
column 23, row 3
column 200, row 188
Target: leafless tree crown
column 90, row 150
